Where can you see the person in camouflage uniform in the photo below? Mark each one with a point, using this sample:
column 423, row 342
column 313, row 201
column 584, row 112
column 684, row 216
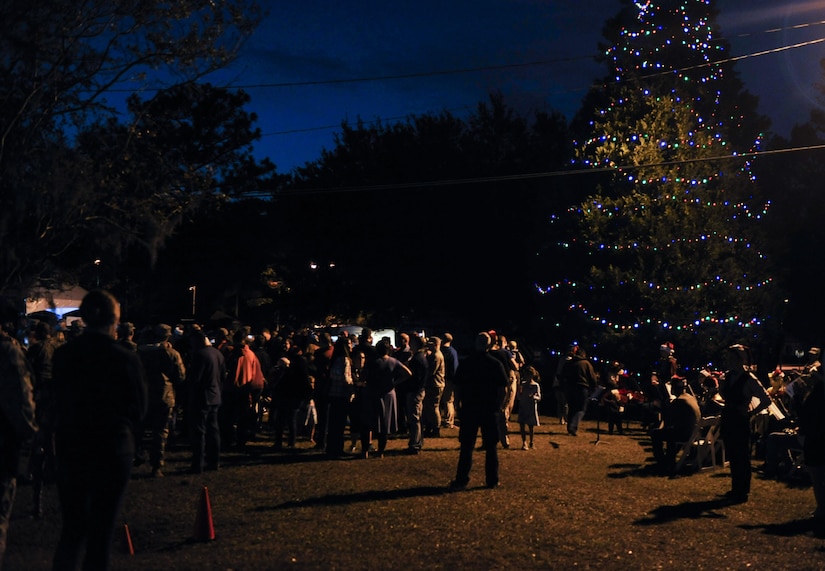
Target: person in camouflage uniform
column 164, row 373
column 17, row 420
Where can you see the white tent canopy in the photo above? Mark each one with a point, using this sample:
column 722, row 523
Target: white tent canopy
column 59, row 301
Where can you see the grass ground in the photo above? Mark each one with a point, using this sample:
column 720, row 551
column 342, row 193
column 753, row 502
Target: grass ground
column 567, row 504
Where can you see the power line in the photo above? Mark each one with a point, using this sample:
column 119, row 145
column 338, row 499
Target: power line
column 525, row 176
column 660, row 73
column 782, row 29
column 434, row 73
column 478, row 69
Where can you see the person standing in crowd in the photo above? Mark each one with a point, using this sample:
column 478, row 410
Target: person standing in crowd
column 356, row 406
column 101, row 402
column 248, row 379
column 382, row 406
column 434, row 389
column 506, row 406
column 402, row 392
column 259, row 348
column 403, row 352
column 294, row 389
column 364, row 356
column 559, row 388
column 501, row 344
column 481, row 383
column 126, row 335
column 322, row 359
column 339, row 396
column 17, row 413
column 164, row 373
column 529, row 395
column 516, row 354
column 204, row 381
column 41, row 355
column 414, row 391
column 610, row 401
column 579, row 380
column 365, row 347
column 450, row 367
column 738, row 388
column 812, row 429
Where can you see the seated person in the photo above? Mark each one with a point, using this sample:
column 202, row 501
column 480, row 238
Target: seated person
column 710, row 401
column 783, row 435
column 656, row 398
column 778, row 446
column 679, row 419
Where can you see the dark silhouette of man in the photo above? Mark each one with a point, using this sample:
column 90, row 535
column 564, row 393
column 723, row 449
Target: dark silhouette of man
column 481, row 382
column 102, row 400
column 204, row 381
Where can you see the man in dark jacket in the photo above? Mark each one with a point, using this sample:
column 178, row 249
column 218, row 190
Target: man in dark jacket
column 294, row 389
column 579, row 382
column 450, row 368
column 413, row 393
column 481, row 383
column 101, row 402
column 204, row 380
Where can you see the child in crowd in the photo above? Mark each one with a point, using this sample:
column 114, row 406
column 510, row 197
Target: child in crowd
column 529, row 395
column 310, row 415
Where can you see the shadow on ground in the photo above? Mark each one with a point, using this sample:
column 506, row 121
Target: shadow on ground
column 369, row 496
column 791, row 528
column 685, row 510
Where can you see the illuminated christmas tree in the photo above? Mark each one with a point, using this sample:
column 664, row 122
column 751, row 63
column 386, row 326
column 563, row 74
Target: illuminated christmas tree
column 665, row 247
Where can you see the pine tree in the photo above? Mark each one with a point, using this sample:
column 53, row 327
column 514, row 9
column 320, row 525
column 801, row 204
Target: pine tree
column 666, row 247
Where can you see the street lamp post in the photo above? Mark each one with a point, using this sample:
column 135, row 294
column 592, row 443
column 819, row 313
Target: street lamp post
column 194, row 290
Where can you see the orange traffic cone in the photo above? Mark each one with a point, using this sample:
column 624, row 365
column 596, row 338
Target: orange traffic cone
column 204, row 528
column 127, row 546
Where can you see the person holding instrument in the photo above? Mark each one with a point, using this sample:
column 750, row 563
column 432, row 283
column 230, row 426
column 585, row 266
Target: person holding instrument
column 739, row 388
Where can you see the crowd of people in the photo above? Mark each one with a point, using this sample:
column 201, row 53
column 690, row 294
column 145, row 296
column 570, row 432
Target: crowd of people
column 85, row 405
column 139, row 390
column 779, row 420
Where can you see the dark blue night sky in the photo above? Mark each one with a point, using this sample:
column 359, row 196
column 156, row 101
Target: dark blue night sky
column 314, row 63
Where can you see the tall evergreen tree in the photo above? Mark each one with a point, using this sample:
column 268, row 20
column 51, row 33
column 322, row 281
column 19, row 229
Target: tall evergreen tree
column 666, row 248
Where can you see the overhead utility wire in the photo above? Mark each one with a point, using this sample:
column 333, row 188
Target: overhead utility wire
column 457, row 71
column 414, row 75
column 782, row 29
column 528, row 176
column 659, row 73
column 738, row 58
